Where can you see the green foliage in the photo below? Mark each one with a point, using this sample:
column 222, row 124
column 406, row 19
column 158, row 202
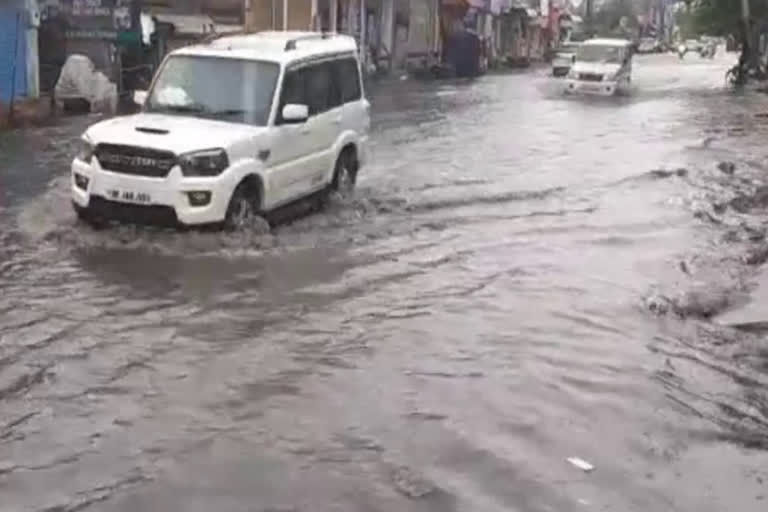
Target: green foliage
column 608, row 17
column 723, row 17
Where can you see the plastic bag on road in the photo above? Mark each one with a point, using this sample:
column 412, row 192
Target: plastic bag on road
column 79, row 80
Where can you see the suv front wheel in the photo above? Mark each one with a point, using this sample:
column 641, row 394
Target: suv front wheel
column 243, row 209
column 345, row 172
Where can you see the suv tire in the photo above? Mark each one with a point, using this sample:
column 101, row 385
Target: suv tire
column 345, row 173
column 243, row 209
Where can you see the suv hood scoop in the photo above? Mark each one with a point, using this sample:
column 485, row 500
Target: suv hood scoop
column 156, row 131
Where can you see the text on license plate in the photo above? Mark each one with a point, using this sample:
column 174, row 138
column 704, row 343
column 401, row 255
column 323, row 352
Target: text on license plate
column 129, row 196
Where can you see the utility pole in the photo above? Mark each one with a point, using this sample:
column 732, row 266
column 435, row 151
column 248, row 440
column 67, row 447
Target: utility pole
column 285, row 15
column 589, row 15
column 749, row 50
column 662, row 21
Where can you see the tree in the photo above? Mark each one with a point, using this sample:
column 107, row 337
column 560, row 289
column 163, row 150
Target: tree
column 614, row 16
column 724, row 18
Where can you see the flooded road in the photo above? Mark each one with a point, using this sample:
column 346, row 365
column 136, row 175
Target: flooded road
column 521, row 278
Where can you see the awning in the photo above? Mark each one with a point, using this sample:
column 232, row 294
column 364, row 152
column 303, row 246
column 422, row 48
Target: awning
column 195, row 24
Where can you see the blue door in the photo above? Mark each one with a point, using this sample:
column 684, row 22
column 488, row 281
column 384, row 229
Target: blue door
column 13, row 54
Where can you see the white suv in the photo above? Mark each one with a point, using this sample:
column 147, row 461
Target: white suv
column 230, row 129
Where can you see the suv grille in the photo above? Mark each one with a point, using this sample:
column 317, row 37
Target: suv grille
column 591, row 77
column 135, row 160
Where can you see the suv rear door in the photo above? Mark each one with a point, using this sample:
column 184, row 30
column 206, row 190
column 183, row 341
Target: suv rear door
column 356, row 115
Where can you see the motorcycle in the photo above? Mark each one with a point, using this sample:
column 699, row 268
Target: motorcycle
column 708, row 52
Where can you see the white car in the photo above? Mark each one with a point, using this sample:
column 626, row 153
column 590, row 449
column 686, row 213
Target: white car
column 229, row 130
column 603, row 67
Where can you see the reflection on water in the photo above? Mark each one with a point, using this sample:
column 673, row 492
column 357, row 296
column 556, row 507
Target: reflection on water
column 521, row 278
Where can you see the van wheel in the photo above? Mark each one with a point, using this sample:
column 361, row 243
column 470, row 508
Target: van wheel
column 345, row 173
column 243, row 210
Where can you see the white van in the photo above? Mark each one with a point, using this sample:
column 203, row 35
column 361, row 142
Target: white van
column 229, row 130
column 602, row 67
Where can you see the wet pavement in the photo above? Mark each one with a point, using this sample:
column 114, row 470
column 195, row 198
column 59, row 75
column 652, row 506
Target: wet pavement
column 521, row 278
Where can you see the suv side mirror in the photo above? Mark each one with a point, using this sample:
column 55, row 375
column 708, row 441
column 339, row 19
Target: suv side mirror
column 295, row 114
column 140, row 97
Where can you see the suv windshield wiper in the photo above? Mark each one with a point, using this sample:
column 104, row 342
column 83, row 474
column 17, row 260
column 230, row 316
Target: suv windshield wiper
column 226, row 112
column 191, row 109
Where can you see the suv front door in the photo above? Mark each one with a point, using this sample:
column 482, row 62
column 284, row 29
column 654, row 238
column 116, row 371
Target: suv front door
column 301, row 153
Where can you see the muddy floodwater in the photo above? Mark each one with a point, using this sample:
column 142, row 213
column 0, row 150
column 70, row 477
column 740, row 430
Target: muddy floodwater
column 520, row 278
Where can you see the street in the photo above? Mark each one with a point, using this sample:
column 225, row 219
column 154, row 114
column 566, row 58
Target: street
column 520, row 278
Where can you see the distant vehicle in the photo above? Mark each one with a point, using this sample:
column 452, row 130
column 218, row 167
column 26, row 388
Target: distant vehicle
column 650, row 45
column 230, row 129
column 693, row 45
column 705, row 47
column 602, row 67
column 564, row 58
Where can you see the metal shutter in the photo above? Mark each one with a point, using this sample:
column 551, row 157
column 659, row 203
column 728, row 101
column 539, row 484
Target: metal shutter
column 12, row 42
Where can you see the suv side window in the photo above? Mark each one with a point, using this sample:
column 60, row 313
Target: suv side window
column 347, row 76
column 319, row 88
column 293, row 91
column 317, row 85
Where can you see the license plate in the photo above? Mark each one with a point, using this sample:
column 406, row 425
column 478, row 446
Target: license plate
column 129, row 196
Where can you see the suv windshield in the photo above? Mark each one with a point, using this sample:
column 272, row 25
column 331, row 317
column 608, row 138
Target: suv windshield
column 595, row 53
column 233, row 90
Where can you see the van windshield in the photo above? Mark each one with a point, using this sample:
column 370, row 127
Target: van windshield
column 599, row 53
column 233, row 90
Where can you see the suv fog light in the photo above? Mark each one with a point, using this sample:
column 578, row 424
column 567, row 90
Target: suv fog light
column 199, row 198
column 81, row 182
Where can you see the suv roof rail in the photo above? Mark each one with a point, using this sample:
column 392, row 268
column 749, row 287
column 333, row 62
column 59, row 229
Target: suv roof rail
column 291, row 43
column 213, row 36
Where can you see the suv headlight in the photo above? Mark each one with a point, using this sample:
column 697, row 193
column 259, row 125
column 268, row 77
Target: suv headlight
column 85, row 149
column 210, row 162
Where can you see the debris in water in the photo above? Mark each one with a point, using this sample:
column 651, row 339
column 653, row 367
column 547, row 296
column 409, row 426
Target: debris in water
column 702, row 301
column 757, row 255
column 664, row 173
column 581, row 464
column 411, row 484
column 657, row 304
column 6, row 467
column 727, row 167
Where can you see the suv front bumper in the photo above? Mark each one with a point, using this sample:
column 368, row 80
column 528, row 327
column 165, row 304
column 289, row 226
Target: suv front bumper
column 141, row 199
column 604, row 88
